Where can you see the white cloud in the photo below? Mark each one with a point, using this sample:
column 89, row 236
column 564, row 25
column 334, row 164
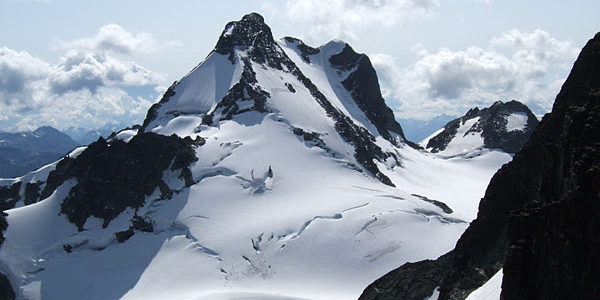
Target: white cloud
column 78, row 70
column 529, row 67
column 90, row 85
column 113, row 38
column 486, row 2
column 342, row 18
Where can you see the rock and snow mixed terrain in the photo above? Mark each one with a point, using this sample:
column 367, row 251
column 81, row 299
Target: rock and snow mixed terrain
column 502, row 126
column 538, row 221
column 272, row 170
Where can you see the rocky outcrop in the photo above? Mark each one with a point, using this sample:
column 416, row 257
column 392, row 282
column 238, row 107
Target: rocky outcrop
column 492, row 125
column 6, row 290
column 112, row 176
column 246, row 89
column 9, row 195
column 364, row 88
column 538, row 218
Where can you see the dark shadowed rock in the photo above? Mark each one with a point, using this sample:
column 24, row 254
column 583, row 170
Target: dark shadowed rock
column 6, row 290
column 364, row 88
column 113, row 176
column 492, row 125
column 539, row 217
column 9, row 195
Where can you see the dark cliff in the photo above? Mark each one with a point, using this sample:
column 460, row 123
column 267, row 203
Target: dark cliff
column 539, row 216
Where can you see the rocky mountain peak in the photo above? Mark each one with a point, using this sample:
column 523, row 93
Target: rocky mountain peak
column 503, row 125
column 363, row 85
column 249, row 34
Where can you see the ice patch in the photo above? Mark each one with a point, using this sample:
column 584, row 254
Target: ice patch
column 516, row 121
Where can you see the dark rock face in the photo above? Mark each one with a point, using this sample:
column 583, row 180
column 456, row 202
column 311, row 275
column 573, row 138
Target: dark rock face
column 252, row 34
column 116, row 175
column 6, row 290
column 492, row 125
column 9, row 195
column 364, row 89
column 553, row 243
column 32, row 192
column 539, row 217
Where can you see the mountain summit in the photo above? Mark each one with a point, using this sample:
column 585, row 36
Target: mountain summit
column 249, row 76
column 505, row 126
column 272, row 170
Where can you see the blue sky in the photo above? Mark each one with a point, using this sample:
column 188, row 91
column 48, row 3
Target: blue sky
column 87, row 63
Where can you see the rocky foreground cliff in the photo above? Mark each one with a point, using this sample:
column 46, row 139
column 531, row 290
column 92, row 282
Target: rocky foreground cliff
column 539, row 217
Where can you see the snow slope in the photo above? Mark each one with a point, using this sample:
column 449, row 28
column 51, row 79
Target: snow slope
column 490, row 290
column 271, row 214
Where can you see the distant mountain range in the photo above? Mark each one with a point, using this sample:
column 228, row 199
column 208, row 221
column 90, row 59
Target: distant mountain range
column 22, row 152
column 416, row 130
column 85, row 136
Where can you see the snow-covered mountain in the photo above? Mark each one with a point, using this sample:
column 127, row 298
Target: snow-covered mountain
column 272, row 170
column 504, row 126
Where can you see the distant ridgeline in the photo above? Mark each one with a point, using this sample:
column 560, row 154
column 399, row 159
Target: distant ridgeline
column 22, row 152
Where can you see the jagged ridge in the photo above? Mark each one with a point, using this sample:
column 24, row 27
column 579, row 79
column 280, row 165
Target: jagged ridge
column 492, row 125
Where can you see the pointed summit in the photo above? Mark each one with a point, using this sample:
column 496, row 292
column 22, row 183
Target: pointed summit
column 250, row 33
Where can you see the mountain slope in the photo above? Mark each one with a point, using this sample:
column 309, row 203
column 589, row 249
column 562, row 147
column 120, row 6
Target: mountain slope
column 274, row 178
column 538, row 217
column 23, row 152
column 505, row 126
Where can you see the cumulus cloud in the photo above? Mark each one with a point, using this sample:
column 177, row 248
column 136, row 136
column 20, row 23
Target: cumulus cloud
column 93, row 83
column 79, row 70
column 19, row 72
column 342, row 18
column 113, row 38
column 529, row 67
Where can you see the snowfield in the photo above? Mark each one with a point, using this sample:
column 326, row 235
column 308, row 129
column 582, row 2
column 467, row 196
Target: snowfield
column 270, row 216
column 315, row 230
